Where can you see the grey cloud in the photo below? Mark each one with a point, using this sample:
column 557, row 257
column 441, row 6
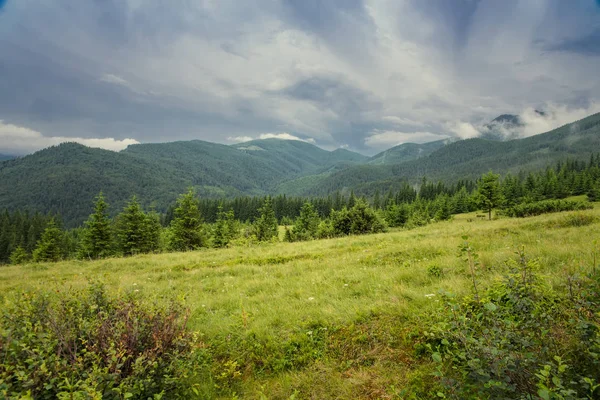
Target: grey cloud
column 587, row 45
column 335, row 71
column 345, row 100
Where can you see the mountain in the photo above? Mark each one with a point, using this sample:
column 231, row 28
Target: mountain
column 407, row 152
column 4, row 157
column 65, row 178
column 468, row 159
column 505, row 127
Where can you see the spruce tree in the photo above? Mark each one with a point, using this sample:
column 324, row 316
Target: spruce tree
column 489, row 192
column 306, row 225
column 19, row 256
column 137, row 231
column 97, row 236
column 186, row 226
column 221, row 234
column 266, row 226
column 49, row 247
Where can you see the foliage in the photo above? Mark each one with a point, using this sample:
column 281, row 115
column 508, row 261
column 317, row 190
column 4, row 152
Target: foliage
column 521, row 339
column 186, row 227
column 546, row 206
column 97, row 237
column 19, row 256
column 306, row 225
column 84, row 344
column 225, row 229
column 266, row 227
column 20, row 229
column 490, row 196
column 49, row 247
column 137, row 231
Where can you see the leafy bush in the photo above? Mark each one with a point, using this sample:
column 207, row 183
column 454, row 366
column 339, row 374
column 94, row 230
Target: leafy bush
column 546, row 206
column 522, row 339
column 576, row 220
column 83, row 344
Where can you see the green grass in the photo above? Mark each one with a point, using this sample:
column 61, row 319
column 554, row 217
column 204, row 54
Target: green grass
column 369, row 291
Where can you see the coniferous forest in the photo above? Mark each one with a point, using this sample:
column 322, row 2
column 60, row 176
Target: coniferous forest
column 193, row 222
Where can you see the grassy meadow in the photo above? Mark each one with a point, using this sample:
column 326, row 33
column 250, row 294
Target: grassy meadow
column 336, row 318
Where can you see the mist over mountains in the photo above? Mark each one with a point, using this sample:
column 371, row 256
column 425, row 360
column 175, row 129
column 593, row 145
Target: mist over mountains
column 65, row 178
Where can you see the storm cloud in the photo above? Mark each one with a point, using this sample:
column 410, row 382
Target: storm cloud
column 363, row 74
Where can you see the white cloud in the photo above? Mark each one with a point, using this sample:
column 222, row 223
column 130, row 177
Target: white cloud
column 464, row 130
column 385, row 139
column 239, row 139
column 20, row 140
column 285, row 136
column 402, row 121
column 554, row 117
column 533, row 121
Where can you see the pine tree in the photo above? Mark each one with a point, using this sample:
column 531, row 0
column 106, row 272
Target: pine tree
column 224, row 229
column 266, row 226
column 377, row 200
column 97, row 235
column 306, row 225
column 49, row 246
column 186, row 227
column 489, row 192
column 137, row 231
column 19, row 256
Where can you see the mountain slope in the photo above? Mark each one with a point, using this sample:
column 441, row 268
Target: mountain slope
column 65, row 178
column 4, row 157
column 472, row 157
column 406, row 152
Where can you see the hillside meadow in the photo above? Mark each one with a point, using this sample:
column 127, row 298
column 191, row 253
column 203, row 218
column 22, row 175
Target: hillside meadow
column 338, row 318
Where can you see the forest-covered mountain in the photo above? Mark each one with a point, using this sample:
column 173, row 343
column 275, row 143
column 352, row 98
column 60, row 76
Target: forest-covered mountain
column 468, row 159
column 407, row 152
column 65, row 178
column 4, row 157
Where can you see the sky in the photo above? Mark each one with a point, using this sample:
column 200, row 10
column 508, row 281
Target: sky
column 359, row 74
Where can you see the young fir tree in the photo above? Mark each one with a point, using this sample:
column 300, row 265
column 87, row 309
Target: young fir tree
column 137, row 231
column 489, row 192
column 186, row 226
column 266, row 226
column 49, row 247
column 97, row 236
column 225, row 228
column 19, row 256
column 306, row 225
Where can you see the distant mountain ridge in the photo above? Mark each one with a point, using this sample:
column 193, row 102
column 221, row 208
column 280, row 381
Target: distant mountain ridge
column 4, row 157
column 65, row 178
column 407, row 152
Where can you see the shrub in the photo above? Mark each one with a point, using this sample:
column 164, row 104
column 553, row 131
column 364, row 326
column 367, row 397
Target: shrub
column 523, row 339
column 83, row 344
column 546, row 206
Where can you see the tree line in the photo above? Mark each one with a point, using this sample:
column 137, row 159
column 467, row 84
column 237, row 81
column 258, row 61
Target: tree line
column 193, row 223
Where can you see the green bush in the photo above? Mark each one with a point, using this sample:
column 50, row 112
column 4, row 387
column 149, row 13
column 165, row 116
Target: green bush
column 83, row 344
column 521, row 339
column 546, row 206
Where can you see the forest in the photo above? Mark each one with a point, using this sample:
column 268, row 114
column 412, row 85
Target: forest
column 193, row 223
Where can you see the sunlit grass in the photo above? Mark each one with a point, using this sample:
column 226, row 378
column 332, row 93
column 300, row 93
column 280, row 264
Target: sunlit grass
column 277, row 290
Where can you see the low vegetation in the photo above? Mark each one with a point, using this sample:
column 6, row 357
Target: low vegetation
column 467, row 308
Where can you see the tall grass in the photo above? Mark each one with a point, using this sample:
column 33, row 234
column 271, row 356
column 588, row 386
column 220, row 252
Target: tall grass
column 280, row 316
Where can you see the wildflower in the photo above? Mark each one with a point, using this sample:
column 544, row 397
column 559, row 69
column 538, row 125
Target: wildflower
column 430, row 295
column 311, row 298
